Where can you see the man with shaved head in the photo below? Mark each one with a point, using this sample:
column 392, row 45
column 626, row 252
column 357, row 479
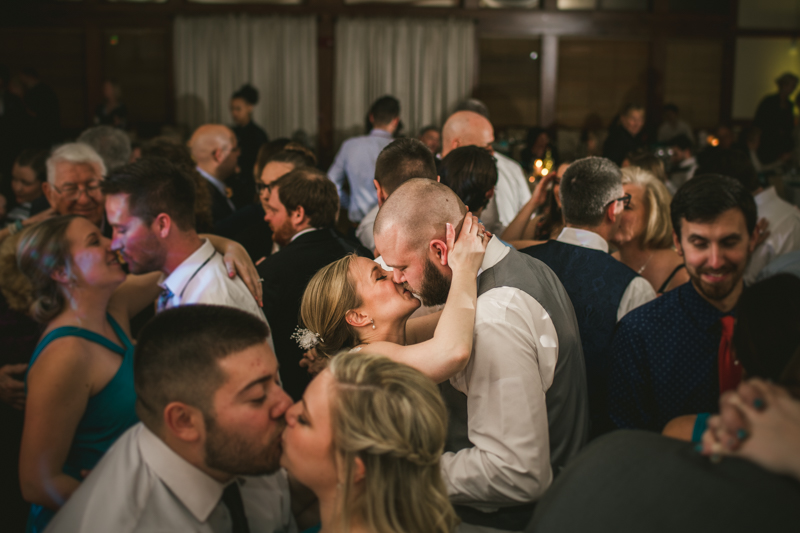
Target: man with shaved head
column 518, row 411
column 469, row 128
column 216, row 151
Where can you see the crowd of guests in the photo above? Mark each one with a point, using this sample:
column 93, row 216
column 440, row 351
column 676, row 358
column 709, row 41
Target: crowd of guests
column 219, row 336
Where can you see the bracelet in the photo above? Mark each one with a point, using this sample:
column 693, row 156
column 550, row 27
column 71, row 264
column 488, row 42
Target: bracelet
column 15, row 228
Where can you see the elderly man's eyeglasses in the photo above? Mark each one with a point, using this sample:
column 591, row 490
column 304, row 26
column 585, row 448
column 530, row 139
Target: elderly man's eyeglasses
column 626, row 201
column 72, row 192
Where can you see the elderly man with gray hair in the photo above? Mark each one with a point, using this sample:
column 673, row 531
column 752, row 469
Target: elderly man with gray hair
column 112, row 144
column 74, row 173
column 602, row 289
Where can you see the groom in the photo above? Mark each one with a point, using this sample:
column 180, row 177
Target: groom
column 524, row 387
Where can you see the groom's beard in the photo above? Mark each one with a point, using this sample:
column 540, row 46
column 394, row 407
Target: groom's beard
column 435, row 286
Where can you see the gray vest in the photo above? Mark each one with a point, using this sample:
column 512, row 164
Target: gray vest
column 567, row 403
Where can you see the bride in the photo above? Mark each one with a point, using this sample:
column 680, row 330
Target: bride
column 354, row 303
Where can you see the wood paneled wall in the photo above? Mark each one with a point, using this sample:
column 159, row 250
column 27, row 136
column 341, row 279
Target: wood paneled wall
column 508, row 80
column 693, row 78
column 589, row 61
column 597, row 77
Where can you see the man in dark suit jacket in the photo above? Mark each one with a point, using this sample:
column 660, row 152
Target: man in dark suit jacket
column 301, row 212
column 215, row 150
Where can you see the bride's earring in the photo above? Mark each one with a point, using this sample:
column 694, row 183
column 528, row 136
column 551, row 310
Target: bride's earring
column 373, row 323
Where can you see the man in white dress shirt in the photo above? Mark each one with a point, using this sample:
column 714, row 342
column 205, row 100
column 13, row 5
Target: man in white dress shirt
column 518, row 411
column 215, row 149
column 206, row 456
column 469, row 128
column 400, row 161
column 150, row 206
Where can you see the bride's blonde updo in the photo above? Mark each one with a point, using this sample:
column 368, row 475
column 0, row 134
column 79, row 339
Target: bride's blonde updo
column 330, row 294
column 392, row 417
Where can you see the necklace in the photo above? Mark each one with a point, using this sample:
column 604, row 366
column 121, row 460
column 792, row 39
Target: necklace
column 645, row 263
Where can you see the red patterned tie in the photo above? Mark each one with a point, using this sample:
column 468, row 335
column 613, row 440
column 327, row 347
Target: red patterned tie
column 730, row 371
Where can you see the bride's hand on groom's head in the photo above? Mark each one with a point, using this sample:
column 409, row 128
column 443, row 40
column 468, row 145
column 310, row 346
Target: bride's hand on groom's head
column 467, row 251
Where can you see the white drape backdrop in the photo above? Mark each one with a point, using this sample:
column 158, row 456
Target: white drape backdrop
column 426, row 64
column 214, row 56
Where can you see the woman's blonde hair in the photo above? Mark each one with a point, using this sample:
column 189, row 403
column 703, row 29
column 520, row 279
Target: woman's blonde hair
column 43, row 249
column 392, row 417
column 658, row 231
column 330, row 294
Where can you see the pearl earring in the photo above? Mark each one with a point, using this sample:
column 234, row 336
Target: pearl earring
column 373, row 323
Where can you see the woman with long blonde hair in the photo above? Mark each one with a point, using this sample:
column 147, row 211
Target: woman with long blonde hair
column 354, row 304
column 366, row 439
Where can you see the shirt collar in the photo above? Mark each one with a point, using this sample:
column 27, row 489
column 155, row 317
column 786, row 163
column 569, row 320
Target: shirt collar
column 198, row 491
column 303, row 232
column 584, row 238
column 704, row 314
column 495, row 252
column 179, row 277
column 377, row 132
column 214, row 181
column 766, row 196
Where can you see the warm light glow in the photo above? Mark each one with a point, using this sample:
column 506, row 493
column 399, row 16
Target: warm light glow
column 544, row 172
column 713, row 141
column 532, row 179
column 538, row 163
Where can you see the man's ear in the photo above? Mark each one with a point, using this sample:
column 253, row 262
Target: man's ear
column 490, row 193
column 162, row 225
column 382, row 196
column 49, row 193
column 677, row 242
column 439, row 250
column 357, row 319
column 611, row 212
column 184, row 422
column 298, row 216
column 439, row 179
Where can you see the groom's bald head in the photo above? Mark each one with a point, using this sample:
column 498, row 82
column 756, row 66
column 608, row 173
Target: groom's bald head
column 417, row 213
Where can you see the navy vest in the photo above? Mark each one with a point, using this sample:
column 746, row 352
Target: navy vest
column 595, row 282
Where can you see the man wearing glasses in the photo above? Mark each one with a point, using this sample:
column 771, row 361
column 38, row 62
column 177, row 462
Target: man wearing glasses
column 74, row 174
column 602, row 289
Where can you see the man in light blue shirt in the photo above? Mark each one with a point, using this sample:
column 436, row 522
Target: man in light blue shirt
column 355, row 161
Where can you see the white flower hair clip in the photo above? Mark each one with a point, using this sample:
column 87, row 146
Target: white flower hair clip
column 306, row 338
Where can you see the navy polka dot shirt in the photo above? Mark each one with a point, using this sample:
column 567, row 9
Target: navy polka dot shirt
column 664, row 361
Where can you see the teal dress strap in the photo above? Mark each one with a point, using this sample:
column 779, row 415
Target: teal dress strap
column 73, row 331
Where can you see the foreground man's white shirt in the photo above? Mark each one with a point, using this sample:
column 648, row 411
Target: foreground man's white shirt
column 198, row 282
column 142, row 486
column 513, row 362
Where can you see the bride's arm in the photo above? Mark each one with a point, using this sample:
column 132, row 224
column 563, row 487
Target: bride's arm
column 448, row 351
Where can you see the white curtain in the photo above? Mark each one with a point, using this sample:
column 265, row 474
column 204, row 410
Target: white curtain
column 214, row 56
column 426, row 64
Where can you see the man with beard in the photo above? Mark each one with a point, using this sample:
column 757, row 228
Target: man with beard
column 518, row 411
column 150, row 206
column 301, row 213
column 672, row 356
column 206, row 454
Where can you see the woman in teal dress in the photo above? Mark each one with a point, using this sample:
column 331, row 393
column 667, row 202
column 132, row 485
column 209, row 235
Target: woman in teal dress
column 80, row 392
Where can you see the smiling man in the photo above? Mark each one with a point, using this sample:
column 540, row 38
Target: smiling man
column 74, row 176
column 206, row 456
column 672, row 357
column 301, row 212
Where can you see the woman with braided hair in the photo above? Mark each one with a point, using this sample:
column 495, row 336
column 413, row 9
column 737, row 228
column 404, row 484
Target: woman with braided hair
column 366, row 438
